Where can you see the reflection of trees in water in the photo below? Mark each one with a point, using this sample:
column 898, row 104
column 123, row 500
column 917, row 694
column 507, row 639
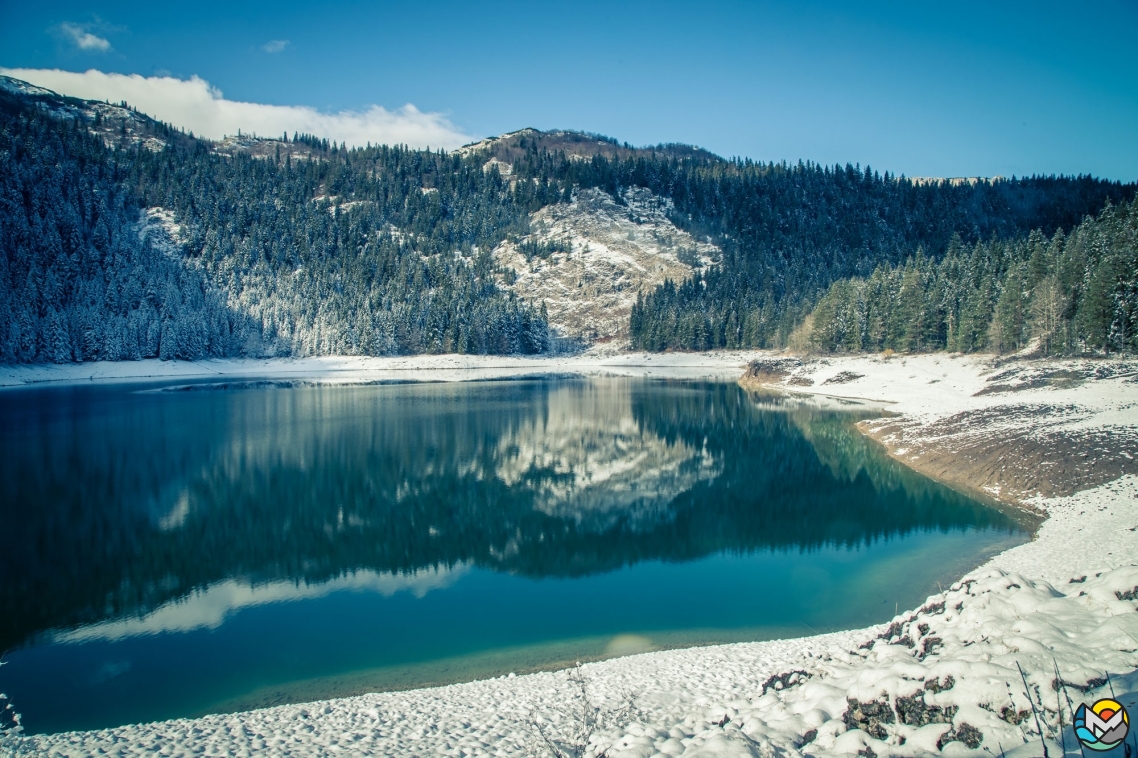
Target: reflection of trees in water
column 125, row 502
column 797, row 479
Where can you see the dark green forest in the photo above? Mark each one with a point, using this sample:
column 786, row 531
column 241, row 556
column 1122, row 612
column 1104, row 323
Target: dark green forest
column 788, row 233
column 302, row 247
column 1060, row 295
column 266, row 267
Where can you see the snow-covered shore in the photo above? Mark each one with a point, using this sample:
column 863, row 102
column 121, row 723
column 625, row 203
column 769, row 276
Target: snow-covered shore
column 1058, row 437
column 360, row 370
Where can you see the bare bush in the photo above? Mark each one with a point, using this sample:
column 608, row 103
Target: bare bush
column 575, row 730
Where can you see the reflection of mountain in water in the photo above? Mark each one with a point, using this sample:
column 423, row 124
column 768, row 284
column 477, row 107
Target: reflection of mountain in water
column 114, row 503
column 588, row 461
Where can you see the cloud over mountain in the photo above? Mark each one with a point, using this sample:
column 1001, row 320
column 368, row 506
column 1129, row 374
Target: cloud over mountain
column 196, row 105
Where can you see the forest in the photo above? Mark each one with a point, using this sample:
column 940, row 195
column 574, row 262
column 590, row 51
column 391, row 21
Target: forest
column 1066, row 294
column 301, row 247
column 270, row 263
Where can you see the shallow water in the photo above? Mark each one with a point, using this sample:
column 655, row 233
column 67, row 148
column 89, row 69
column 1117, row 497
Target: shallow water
column 172, row 553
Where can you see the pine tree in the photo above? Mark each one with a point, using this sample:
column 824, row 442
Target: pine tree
column 1007, row 330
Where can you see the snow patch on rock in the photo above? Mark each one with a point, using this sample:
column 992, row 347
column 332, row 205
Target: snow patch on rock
column 610, row 252
column 165, row 234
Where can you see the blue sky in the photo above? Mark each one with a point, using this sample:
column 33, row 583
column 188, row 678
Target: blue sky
column 925, row 89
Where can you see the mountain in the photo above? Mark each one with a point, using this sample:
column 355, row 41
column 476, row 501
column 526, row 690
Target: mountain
column 127, row 238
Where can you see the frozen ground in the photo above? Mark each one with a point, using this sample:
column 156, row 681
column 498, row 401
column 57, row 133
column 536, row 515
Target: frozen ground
column 941, row 679
column 1013, row 430
column 358, row 370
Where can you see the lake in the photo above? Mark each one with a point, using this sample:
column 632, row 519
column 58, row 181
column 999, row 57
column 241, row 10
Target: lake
column 174, row 551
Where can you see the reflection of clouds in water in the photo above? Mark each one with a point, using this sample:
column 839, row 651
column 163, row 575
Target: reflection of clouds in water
column 209, row 608
column 588, row 460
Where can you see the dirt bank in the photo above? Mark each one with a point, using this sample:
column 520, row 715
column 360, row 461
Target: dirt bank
column 1013, row 431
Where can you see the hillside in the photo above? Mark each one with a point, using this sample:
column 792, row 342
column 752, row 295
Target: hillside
column 1068, row 294
column 587, row 260
column 125, row 238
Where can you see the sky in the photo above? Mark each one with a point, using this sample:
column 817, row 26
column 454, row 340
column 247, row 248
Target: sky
column 922, row 89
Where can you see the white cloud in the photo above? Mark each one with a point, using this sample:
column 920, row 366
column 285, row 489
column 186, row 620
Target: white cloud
column 275, row 45
column 197, row 106
column 83, row 39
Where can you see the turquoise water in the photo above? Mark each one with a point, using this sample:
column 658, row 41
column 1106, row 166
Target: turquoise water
column 170, row 552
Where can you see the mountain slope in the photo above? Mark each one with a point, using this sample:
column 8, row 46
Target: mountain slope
column 267, row 260
column 125, row 238
column 588, row 260
column 76, row 280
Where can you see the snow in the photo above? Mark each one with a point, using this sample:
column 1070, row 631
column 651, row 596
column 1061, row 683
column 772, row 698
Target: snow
column 615, row 252
column 505, row 169
column 165, row 234
column 931, row 682
column 994, row 426
column 361, row 370
column 20, row 87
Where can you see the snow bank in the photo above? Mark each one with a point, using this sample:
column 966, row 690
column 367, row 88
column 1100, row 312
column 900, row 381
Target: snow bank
column 941, row 679
column 360, row 370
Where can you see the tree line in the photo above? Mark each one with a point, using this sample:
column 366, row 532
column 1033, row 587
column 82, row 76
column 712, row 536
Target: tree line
column 1067, row 293
column 788, row 231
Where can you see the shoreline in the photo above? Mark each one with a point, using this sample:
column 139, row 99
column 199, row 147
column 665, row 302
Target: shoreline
column 362, row 370
column 1006, row 433
column 973, row 632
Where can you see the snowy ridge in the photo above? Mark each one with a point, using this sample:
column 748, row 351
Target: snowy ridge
column 20, row 87
column 941, row 679
column 122, row 127
column 573, row 145
column 489, row 142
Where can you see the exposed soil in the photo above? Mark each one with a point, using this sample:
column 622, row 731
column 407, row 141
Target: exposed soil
column 1024, row 445
column 1002, row 452
column 769, row 371
column 606, row 253
column 843, row 377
